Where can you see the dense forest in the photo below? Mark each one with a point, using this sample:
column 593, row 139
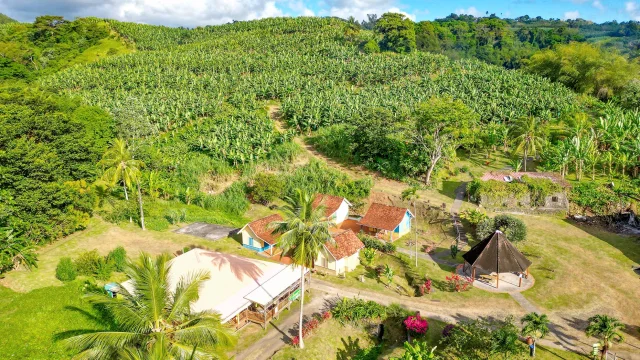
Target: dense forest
column 132, row 122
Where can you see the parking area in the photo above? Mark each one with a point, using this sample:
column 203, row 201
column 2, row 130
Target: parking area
column 207, row 231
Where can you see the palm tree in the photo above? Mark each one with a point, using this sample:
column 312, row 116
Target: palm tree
column 304, row 230
column 607, row 328
column 154, row 321
column 412, row 195
column 15, row 250
column 535, row 325
column 529, row 137
column 121, row 167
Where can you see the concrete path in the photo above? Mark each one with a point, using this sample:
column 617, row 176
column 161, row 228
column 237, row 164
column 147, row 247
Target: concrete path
column 280, row 335
column 457, row 223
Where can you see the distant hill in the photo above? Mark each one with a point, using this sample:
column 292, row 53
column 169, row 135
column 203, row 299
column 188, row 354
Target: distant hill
column 4, row 19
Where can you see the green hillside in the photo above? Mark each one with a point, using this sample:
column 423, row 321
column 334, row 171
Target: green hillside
column 4, row 19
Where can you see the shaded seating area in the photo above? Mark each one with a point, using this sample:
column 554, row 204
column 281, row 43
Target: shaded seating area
column 496, row 255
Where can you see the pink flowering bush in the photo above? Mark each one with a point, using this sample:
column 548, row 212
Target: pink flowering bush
column 311, row 325
column 416, row 324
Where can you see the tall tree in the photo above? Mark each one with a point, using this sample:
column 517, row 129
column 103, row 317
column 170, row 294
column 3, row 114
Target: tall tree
column 155, row 321
column 440, row 126
column 121, row 167
column 529, row 137
column 304, row 230
column 398, row 33
column 535, row 325
column 607, row 328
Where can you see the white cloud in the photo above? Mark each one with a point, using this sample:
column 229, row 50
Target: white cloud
column 598, row 5
column 188, row 13
column 633, row 9
column 470, row 11
column 360, row 8
column 300, row 8
column 571, row 15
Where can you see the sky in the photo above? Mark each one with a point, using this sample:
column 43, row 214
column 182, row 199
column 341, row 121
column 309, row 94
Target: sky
column 191, row 13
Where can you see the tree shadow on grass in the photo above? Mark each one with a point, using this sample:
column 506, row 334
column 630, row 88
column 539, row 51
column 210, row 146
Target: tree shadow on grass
column 629, row 245
column 350, row 348
column 100, row 316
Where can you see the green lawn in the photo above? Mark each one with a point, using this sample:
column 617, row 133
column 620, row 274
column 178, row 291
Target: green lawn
column 473, row 298
column 31, row 320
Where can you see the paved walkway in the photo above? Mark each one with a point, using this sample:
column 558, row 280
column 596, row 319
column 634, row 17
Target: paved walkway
column 455, row 209
column 280, row 335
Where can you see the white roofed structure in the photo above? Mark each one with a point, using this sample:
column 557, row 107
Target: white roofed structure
column 239, row 288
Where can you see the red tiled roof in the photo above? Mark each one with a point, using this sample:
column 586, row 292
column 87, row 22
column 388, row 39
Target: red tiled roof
column 262, row 230
column 500, row 175
column 383, row 217
column 331, row 203
column 346, row 244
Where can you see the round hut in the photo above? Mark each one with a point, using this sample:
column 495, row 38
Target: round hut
column 496, row 254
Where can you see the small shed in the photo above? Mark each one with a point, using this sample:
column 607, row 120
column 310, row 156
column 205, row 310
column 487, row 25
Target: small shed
column 497, row 255
column 386, row 222
column 259, row 236
column 336, row 207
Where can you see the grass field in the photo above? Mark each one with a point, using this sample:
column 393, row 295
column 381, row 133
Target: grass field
column 31, row 320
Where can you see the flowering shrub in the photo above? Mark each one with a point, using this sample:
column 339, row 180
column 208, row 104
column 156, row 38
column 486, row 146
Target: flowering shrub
column 458, row 283
column 416, row 324
column 447, row 330
column 426, row 287
column 309, row 326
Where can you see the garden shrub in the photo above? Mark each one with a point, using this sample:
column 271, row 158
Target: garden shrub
column 88, row 262
column 118, row 258
column 122, row 211
column 416, row 325
column 266, row 187
column 66, row 270
column 103, row 269
column 458, row 283
column 371, row 47
column 513, row 228
column 357, row 310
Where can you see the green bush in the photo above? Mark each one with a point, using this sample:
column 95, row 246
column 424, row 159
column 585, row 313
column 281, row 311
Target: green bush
column 266, row 187
column 103, row 269
column 66, row 270
column 88, row 262
column 373, row 243
column 514, row 229
column 335, row 141
column 371, row 47
column 118, row 258
column 357, row 310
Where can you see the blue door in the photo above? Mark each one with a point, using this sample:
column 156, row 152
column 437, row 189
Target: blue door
column 251, row 241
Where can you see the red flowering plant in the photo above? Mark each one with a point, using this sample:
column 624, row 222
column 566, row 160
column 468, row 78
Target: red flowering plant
column 311, row 325
column 326, row 315
column 415, row 324
column 458, row 283
column 426, row 287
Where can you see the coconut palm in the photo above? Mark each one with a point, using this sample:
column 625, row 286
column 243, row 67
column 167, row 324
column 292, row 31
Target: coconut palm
column 607, row 328
column 121, row 167
column 154, row 321
column 529, row 137
column 535, row 325
column 304, row 230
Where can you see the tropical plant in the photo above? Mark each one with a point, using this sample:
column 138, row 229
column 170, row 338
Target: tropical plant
column 416, row 325
column 529, row 137
column 505, row 341
column 304, row 231
column 535, row 325
column 473, row 216
column 121, row 167
column 66, row 270
column 154, row 321
column 516, row 164
column 418, row 351
column 15, row 251
column 368, row 255
column 607, row 328
column 513, row 228
column 388, row 273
